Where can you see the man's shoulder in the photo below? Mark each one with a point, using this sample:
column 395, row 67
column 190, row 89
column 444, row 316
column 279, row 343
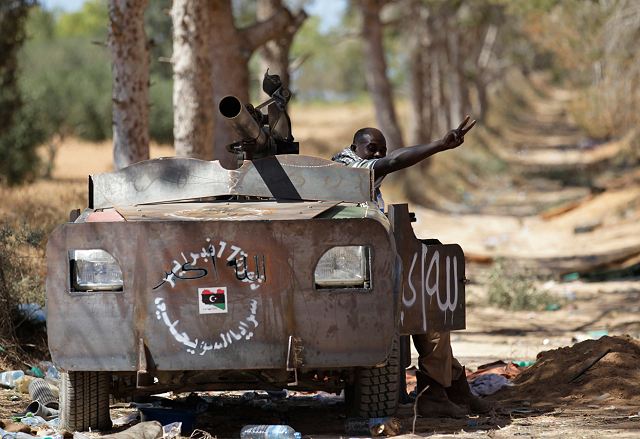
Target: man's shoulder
column 349, row 158
column 346, row 157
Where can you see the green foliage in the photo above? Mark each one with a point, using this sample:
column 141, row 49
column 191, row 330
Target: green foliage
column 157, row 23
column 90, row 21
column 161, row 111
column 333, row 66
column 69, row 82
column 18, row 135
column 20, row 161
column 514, row 288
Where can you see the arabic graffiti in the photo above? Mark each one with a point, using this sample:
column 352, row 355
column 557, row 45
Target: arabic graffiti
column 430, row 284
column 242, row 269
column 243, row 330
column 235, row 257
column 203, row 263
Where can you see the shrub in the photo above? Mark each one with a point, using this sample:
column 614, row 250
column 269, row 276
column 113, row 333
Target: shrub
column 512, row 287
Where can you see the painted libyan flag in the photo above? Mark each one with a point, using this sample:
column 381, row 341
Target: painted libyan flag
column 216, row 297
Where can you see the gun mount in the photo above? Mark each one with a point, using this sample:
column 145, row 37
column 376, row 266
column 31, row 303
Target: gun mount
column 261, row 135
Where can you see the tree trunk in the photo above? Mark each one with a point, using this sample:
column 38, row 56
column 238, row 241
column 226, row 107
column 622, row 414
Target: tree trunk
column 453, row 77
column 417, row 44
column 275, row 54
column 230, row 75
column 130, row 70
column 231, row 49
column 376, row 76
column 193, row 110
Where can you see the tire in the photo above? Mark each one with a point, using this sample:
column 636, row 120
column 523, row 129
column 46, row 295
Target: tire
column 84, row 401
column 375, row 390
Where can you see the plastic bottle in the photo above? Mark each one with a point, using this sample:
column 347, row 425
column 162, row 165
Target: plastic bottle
column 10, row 435
column 268, row 432
column 8, row 378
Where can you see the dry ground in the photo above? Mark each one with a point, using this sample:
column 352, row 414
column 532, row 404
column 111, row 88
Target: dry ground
column 493, row 198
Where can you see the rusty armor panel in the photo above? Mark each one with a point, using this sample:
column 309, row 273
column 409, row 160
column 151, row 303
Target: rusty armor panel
column 433, row 296
column 216, row 295
column 283, row 177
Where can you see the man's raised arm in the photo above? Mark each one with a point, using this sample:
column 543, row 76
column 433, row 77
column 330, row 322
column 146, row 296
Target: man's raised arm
column 404, row 157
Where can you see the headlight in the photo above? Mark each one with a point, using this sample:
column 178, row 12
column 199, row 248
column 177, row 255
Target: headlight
column 344, row 267
column 94, row 270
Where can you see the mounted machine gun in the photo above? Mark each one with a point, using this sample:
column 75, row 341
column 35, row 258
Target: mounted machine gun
column 261, row 135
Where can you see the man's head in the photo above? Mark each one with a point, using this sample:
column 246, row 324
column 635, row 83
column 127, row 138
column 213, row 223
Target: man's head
column 369, row 143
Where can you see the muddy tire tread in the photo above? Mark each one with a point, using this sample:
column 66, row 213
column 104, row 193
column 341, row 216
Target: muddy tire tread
column 375, row 391
column 84, row 401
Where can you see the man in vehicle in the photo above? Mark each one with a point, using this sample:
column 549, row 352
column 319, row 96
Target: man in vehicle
column 442, row 383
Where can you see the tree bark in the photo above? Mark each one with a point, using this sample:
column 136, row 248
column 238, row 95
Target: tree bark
column 376, row 75
column 130, row 69
column 417, row 59
column 275, row 54
column 193, row 110
column 231, row 49
column 230, row 75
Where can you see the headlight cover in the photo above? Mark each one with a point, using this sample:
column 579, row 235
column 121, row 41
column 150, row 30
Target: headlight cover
column 94, row 270
column 344, row 267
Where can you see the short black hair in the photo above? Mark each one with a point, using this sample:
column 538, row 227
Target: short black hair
column 358, row 137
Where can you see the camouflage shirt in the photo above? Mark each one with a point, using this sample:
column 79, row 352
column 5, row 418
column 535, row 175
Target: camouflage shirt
column 351, row 159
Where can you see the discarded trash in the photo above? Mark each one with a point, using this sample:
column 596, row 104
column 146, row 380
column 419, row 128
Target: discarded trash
column 32, row 312
column 172, row 430
column 143, row 430
column 9, row 378
column 39, row 391
column 508, row 370
column 18, row 435
column 51, row 374
column 524, row 363
column 388, row 426
column 488, row 384
column 571, row 276
column 126, row 419
column 40, row 410
column 33, row 421
column 22, row 384
column 552, row 307
column 168, row 415
column 591, row 335
column 268, row 432
column 36, row 372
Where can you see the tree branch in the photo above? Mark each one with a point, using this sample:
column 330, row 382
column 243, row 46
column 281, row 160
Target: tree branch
column 259, row 33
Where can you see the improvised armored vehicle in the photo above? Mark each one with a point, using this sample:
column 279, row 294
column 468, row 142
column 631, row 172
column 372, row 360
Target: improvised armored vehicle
column 183, row 275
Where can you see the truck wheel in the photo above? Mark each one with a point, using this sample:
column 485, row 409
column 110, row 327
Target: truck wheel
column 84, row 401
column 375, row 390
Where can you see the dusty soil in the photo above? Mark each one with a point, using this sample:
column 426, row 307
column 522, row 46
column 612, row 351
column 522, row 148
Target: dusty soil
column 527, row 215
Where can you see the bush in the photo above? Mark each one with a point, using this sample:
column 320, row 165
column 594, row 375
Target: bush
column 514, row 288
column 161, row 111
column 18, row 147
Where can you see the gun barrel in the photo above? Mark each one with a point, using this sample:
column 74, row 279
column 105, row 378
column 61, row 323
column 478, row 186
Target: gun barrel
column 243, row 123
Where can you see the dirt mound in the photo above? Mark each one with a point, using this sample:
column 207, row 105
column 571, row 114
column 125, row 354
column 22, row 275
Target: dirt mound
column 559, row 376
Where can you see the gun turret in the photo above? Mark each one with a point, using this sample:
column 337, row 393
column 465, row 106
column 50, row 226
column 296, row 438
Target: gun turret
column 261, row 134
column 253, row 137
